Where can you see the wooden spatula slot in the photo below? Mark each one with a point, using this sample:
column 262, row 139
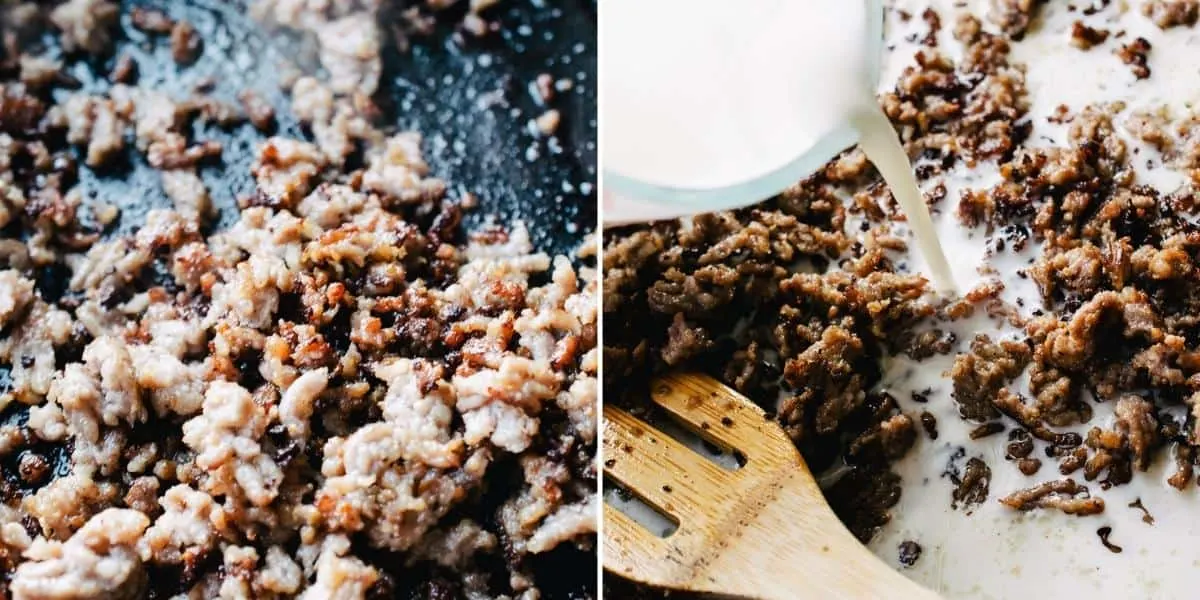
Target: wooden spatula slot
column 717, row 413
column 763, row 530
column 652, row 519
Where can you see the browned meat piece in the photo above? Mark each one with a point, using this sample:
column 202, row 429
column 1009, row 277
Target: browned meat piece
column 100, row 561
column 889, row 440
column 1172, row 13
column 684, row 342
column 861, row 499
column 1137, row 424
column 285, row 170
column 971, row 488
column 1073, row 461
column 985, row 430
column 745, row 370
column 1136, row 54
column 1029, row 466
column 20, row 111
column 1070, row 345
column 151, row 20
column 1014, row 16
column 172, row 154
column 927, row 343
column 980, row 374
column 929, row 424
column 1057, row 395
column 1162, row 264
column 33, row 468
column 258, row 110
column 1185, row 460
column 1064, row 495
column 824, row 372
column 981, row 294
column 349, row 50
column 1014, row 406
column 38, row 73
column 1084, row 37
column 186, row 44
column 125, row 70
column 1020, row 444
column 546, row 124
column 1152, row 127
column 934, row 21
column 1079, row 271
column 143, row 496
column 189, row 194
column 99, row 123
column 86, row 25
column 544, row 84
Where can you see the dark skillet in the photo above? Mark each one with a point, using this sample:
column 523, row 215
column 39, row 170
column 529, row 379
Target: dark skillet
column 434, row 88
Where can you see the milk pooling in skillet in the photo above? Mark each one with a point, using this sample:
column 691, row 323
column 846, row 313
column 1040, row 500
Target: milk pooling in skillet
column 711, row 95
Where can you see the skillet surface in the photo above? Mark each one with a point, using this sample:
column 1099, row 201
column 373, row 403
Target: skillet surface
column 472, row 102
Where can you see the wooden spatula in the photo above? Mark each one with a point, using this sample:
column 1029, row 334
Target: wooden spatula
column 762, row 531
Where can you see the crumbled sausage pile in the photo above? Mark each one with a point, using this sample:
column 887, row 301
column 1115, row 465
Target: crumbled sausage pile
column 343, row 395
column 1116, row 272
column 1117, row 276
column 721, row 292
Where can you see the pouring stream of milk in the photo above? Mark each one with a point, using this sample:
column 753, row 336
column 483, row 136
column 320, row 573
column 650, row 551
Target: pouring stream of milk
column 878, row 141
column 707, row 95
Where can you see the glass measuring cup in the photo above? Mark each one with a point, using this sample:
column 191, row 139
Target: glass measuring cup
column 628, row 199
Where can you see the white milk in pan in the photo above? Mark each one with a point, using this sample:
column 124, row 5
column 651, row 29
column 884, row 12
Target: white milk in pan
column 994, row 552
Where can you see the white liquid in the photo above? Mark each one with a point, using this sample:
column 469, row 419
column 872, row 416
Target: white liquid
column 707, row 94
column 994, row 552
column 878, row 141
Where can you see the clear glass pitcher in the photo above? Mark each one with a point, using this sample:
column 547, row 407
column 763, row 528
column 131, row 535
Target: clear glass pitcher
column 627, row 199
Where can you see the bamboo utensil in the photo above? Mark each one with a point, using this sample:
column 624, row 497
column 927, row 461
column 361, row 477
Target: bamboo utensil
column 763, row 530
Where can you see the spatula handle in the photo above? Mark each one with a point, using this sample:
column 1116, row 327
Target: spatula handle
column 796, row 549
